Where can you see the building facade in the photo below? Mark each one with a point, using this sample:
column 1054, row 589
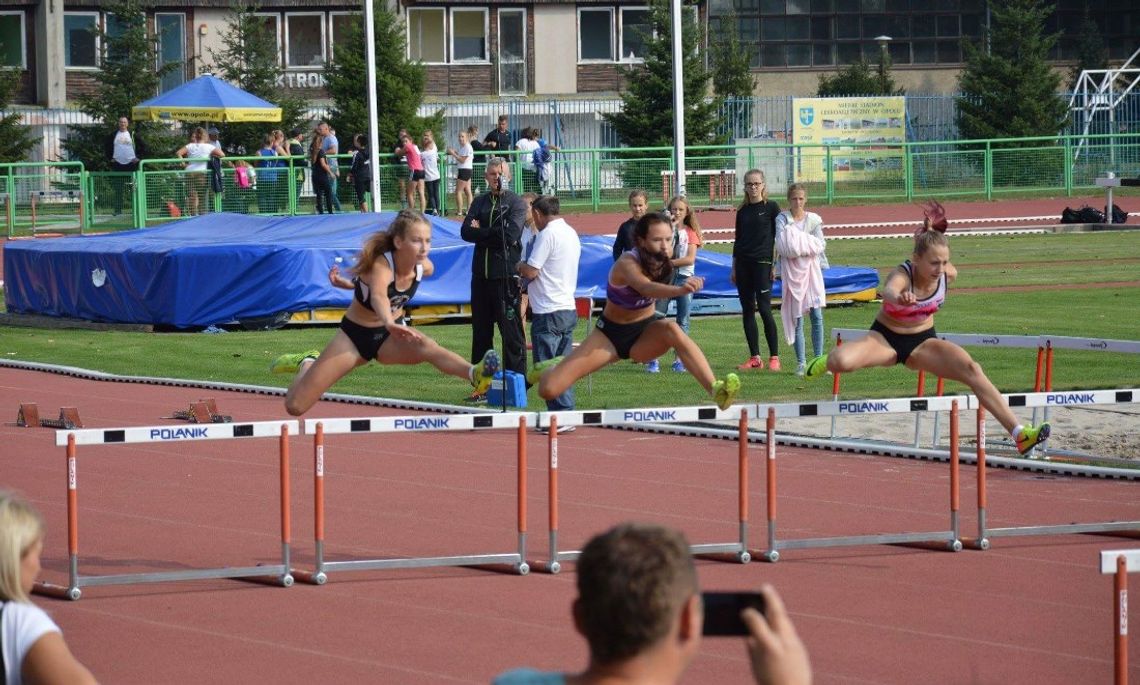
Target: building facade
column 474, row 49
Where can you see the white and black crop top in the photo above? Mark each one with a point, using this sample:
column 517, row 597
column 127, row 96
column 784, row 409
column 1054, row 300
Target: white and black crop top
column 397, row 299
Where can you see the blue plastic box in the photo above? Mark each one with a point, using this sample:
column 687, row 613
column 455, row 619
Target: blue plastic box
column 516, row 390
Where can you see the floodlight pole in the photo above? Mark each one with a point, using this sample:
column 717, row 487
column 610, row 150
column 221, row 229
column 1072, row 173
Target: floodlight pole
column 373, row 125
column 678, row 103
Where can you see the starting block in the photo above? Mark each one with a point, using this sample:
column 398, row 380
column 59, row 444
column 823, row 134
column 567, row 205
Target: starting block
column 29, row 417
column 202, row 411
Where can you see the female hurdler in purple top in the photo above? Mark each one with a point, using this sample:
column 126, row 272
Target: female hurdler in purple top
column 628, row 327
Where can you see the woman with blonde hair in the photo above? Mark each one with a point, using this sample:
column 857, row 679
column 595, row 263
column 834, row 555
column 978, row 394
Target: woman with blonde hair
column 903, row 332
column 387, row 273
column 33, row 646
column 800, row 261
column 684, row 265
column 197, row 152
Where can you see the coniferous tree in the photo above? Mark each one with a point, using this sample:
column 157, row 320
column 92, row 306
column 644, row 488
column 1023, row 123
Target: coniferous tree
column 646, row 116
column 399, row 85
column 1011, row 91
column 249, row 60
column 127, row 76
column 1091, row 52
column 15, row 138
column 732, row 75
column 860, row 78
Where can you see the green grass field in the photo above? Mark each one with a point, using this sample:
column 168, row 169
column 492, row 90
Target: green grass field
column 243, row 357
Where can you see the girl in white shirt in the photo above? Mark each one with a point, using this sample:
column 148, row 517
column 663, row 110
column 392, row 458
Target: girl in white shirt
column 465, row 158
column 34, row 650
column 429, row 155
column 199, row 150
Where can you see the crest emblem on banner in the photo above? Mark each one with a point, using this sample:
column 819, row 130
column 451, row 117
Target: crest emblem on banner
column 98, row 277
column 807, row 115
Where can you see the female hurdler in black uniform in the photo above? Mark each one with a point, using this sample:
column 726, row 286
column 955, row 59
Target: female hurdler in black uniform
column 387, row 273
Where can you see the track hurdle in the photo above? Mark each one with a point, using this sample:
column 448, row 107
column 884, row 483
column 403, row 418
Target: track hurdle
column 610, row 417
column 1044, row 399
column 1119, row 563
column 71, row 439
column 949, row 537
column 401, row 424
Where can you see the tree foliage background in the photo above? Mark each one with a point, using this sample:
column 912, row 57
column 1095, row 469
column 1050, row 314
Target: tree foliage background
column 126, row 77
column 399, row 86
column 15, row 138
column 861, row 78
column 732, row 77
column 249, row 60
column 1091, row 51
column 1011, row 91
column 646, row 117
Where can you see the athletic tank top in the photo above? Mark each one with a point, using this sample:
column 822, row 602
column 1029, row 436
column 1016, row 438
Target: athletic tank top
column 922, row 308
column 397, row 299
column 626, row 297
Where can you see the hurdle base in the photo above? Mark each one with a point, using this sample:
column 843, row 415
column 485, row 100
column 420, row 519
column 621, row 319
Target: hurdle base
column 56, row 591
column 309, row 577
column 519, row 568
column 981, row 544
column 932, row 545
column 284, row 580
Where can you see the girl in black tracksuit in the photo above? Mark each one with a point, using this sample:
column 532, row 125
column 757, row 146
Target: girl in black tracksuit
column 752, row 255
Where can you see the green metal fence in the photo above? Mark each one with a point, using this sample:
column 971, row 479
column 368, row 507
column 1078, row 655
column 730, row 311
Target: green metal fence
column 62, row 197
column 38, row 198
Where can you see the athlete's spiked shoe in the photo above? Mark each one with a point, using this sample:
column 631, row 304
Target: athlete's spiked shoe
column 290, row 363
column 816, row 367
column 1031, row 437
column 487, row 367
column 724, row 391
column 535, row 373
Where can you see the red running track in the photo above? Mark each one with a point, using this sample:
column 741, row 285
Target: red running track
column 1029, row 610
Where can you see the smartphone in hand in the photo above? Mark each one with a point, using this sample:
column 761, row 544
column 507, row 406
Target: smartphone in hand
column 722, row 611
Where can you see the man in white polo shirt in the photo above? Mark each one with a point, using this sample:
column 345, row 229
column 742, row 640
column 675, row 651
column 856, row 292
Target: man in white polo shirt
column 550, row 275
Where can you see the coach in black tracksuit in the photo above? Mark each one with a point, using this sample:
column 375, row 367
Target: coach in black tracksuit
column 494, row 223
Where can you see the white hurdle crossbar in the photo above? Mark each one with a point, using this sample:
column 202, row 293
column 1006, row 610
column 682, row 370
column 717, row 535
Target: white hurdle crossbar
column 519, row 421
column 1119, row 563
column 951, row 403
column 610, row 417
column 277, row 573
column 1046, row 399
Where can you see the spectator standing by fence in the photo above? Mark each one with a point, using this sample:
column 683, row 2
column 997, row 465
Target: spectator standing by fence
column 322, row 173
column 429, row 156
column 124, row 153
column 360, row 174
column 197, row 152
column 296, row 148
column 526, row 147
column 464, row 159
column 331, row 147
column 267, row 190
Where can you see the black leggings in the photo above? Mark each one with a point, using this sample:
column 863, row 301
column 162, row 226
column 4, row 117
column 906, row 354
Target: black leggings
column 754, row 287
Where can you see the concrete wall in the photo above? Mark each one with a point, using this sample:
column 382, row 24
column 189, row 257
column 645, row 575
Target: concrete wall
column 555, row 49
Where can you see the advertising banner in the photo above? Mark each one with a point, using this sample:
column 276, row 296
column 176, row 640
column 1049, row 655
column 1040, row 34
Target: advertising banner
column 865, row 135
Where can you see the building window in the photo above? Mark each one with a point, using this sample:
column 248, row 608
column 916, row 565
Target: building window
column 81, row 42
column 635, row 32
column 426, row 36
column 304, row 39
column 171, row 30
column 469, row 35
column 596, row 35
column 340, row 26
column 271, row 23
column 12, row 40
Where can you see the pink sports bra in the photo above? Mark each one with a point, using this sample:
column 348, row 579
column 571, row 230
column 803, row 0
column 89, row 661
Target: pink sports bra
column 922, row 308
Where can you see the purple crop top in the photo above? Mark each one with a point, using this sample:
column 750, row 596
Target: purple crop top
column 626, row 297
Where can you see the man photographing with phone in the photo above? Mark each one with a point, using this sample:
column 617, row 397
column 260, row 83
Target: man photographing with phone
column 494, row 223
column 642, row 615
